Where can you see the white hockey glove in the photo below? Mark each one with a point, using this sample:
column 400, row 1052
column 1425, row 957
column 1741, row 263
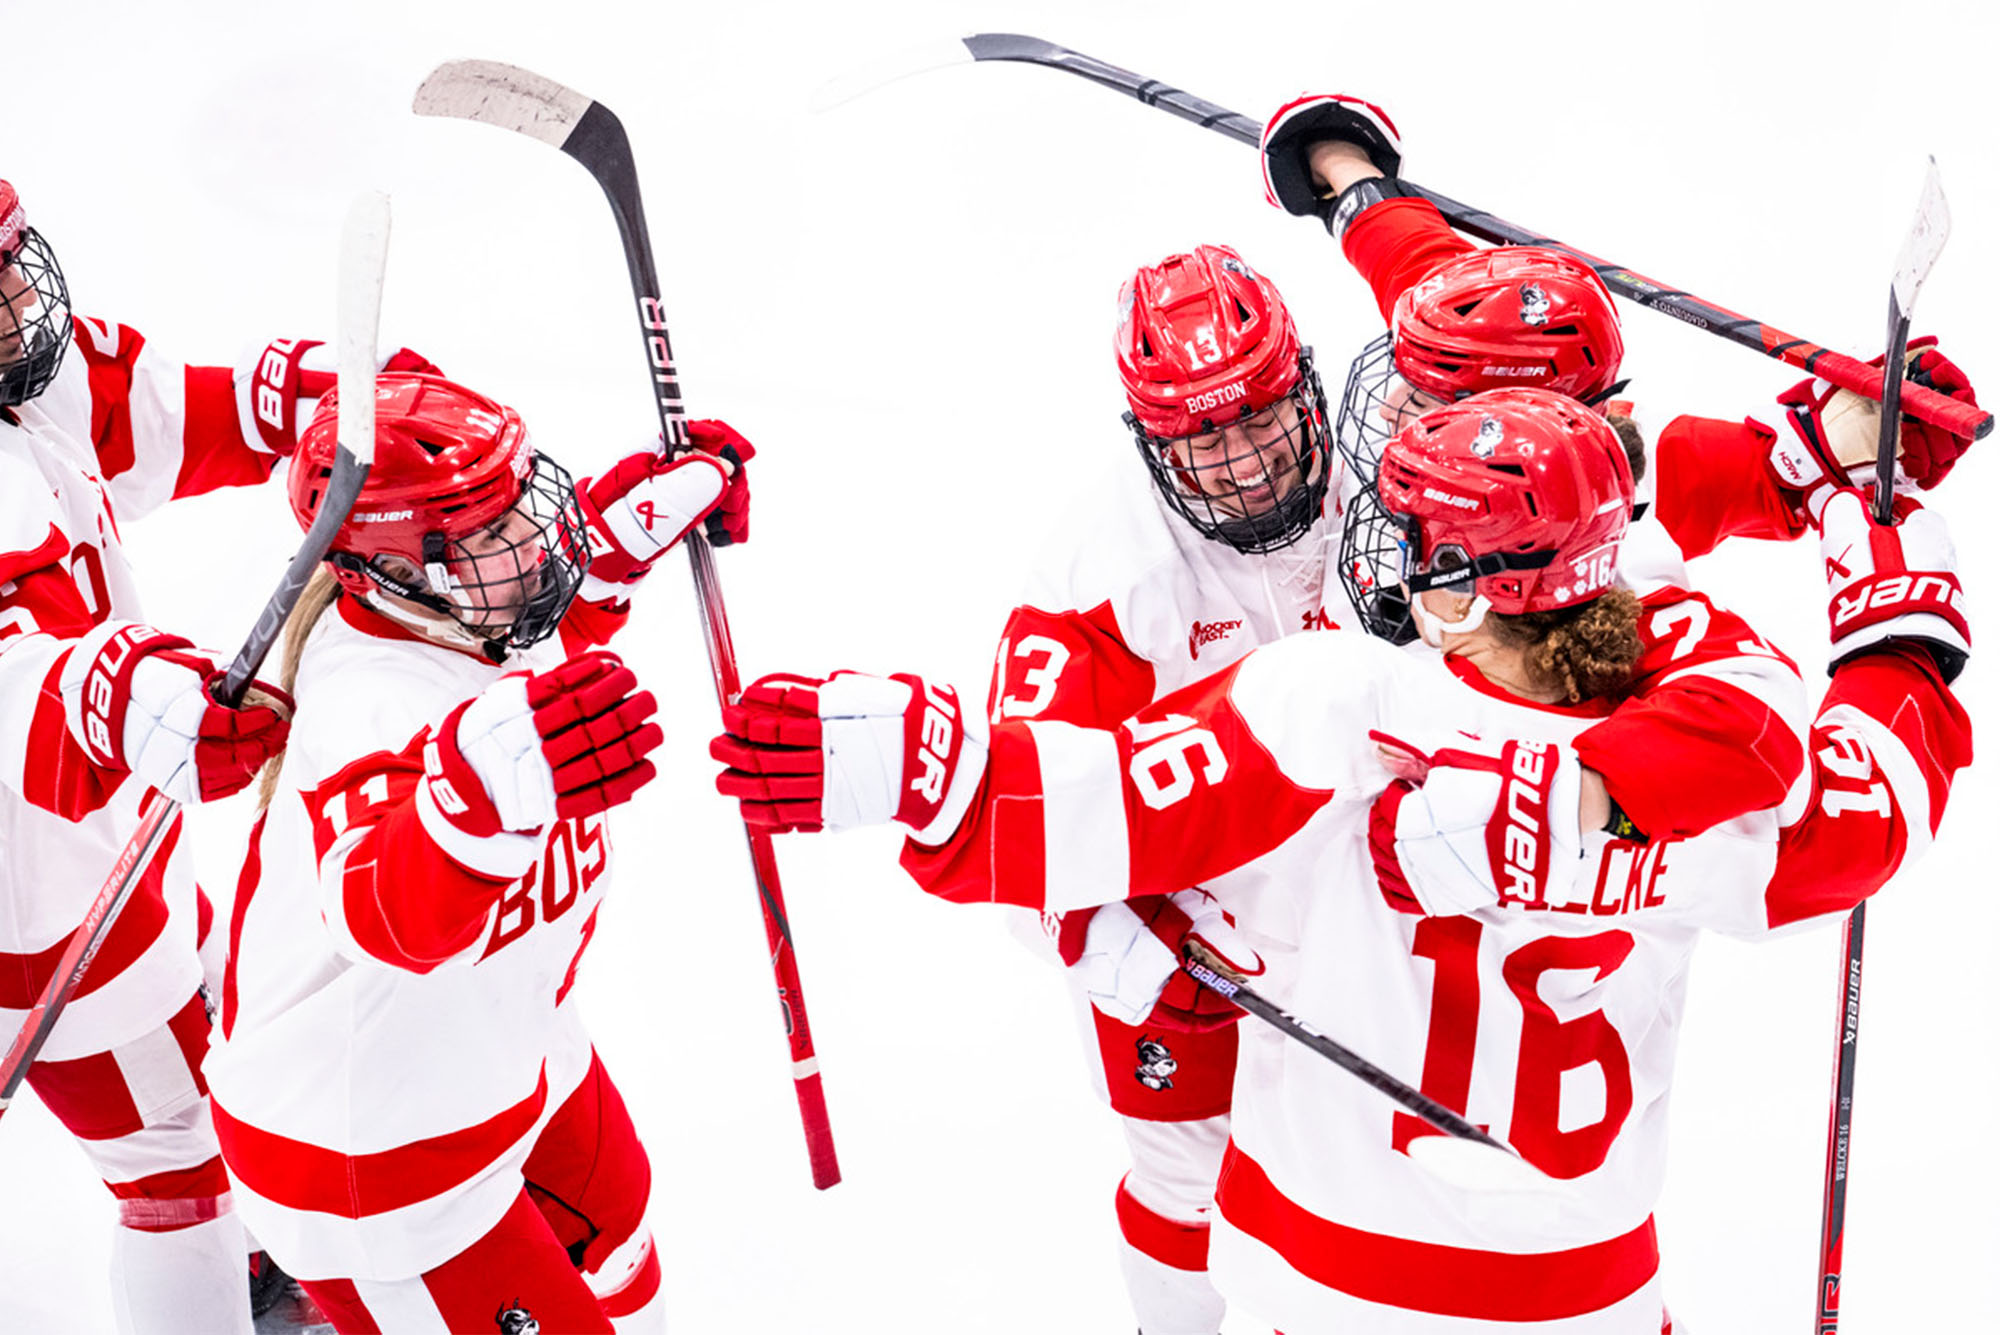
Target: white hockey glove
column 809, row 753
column 1128, row 956
column 1892, row 582
column 530, row 750
column 278, row 393
column 647, row 503
column 137, row 700
column 1473, row 823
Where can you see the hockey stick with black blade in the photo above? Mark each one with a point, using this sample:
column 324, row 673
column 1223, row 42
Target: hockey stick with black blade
column 1850, row 373
column 586, row 130
column 1490, row 1163
column 1919, row 253
column 364, row 255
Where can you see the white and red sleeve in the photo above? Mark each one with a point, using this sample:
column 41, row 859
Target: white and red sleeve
column 1396, row 243
column 1713, row 725
column 1713, row 481
column 42, row 612
column 1888, row 739
column 1067, row 667
column 1071, row 816
column 161, row 429
column 391, row 891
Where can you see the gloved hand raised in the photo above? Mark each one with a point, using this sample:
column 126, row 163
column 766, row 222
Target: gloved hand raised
column 139, row 700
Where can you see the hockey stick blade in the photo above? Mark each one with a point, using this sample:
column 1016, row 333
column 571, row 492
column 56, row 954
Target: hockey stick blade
column 1472, row 1159
column 364, row 262
column 1850, row 373
column 510, row 98
column 364, row 254
column 1928, row 232
column 1920, row 250
column 586, row 131
column 885, row 70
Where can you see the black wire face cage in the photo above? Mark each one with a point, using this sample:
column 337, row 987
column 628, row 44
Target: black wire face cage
column 510, row 583
column 1377, row 404
column 34, row 319
column 1256, row 494
column 1375, row 558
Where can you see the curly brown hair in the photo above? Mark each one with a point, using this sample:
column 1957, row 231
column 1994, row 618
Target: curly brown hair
column 1634, row 443
column 1583, row 651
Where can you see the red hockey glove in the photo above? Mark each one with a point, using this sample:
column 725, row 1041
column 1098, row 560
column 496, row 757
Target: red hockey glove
column 1128, row 956
column 1313, row 118
column 806, row 753
column 530, row 750
column 138, row 700
column 1474, row 823
column 1892, row 582
column 729, row 522
column 284, row 387
column 1835, row 432
column 647, row 503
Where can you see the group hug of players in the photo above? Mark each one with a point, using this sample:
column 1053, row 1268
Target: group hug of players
column 1474, row 823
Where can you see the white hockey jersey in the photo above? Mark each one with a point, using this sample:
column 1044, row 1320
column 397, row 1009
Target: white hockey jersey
column 1128, row 602
column 396, row 1024
column 116, row 434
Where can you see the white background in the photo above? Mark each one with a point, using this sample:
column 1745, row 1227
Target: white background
column 907, row 303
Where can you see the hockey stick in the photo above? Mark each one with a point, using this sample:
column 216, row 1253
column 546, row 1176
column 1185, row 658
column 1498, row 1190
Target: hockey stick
column 1961, row 419
column 526, row 103
column 1920, row 251
column 1496, row 1165
column 364, row 254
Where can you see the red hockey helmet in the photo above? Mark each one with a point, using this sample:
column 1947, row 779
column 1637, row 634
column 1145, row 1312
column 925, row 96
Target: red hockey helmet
column 1225, row 405
column 34, row 306
column 1514, row 317
column 482, row 527
column 1520, row 495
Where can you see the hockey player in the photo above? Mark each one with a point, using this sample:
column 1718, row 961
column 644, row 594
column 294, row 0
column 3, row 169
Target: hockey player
column 1224, row 543
column 98, row 710
column 1464, row 319
column 1549, row 862
column 414, row 1118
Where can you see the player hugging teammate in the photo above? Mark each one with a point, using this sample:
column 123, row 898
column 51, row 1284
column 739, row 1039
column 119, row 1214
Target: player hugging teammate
column 1485, row 857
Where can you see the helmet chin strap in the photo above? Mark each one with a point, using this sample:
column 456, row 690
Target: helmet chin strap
column 1434, row 628
column 431, row 625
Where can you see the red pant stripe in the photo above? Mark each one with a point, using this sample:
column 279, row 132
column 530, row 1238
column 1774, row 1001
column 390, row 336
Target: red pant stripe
column 1168, row 1241
column 1430, row 1277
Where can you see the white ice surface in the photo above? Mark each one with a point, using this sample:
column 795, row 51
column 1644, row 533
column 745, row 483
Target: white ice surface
column 907, row 303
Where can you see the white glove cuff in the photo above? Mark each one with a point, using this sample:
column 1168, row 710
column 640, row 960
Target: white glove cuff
column 861, row 742
column 496, row 735
column 1124, row 967
column 653, row 516
column 162, row 725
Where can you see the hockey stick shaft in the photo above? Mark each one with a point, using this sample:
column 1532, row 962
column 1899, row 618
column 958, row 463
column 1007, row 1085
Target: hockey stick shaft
column 1850, row 373
column 588, row 132
column 1920, row 251
column 364, row 256
column 1213, row 973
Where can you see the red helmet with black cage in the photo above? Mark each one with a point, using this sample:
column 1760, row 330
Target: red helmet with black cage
column 1224, row 403
column 459, row 514
column 1519, row 496
column 1524, row 317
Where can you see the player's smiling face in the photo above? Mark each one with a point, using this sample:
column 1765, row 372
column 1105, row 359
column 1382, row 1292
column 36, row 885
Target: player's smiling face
column 1248, row 466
